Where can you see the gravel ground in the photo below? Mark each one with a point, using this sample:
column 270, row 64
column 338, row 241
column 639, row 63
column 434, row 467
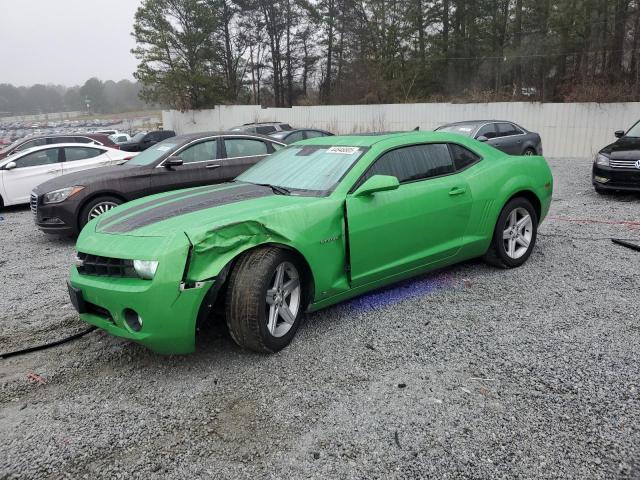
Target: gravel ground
column 470, row 372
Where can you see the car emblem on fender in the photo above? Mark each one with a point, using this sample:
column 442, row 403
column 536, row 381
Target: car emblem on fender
column 638, row 164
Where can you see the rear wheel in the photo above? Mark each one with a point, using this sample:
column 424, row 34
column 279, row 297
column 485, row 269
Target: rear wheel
column 265, row 301
column 529, row 152
column 97, row 207
column 515, row 234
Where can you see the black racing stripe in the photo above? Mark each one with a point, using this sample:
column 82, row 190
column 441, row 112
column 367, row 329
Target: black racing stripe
column 188, row 205
column 129, row 211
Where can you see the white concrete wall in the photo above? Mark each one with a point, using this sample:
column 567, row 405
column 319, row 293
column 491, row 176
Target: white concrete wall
column 567, row 129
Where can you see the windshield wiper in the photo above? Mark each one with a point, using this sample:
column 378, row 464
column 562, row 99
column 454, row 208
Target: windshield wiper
column 276, row 189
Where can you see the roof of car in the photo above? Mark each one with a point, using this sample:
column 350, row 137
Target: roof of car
column 370, row 140
column 188, row 137
column 468, row 122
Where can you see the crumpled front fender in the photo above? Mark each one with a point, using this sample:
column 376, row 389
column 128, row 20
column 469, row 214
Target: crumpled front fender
column 215, row 248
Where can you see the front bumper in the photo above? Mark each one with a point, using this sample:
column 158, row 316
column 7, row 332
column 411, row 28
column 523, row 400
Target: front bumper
column 168, row 312
column 617, row 178
column 58, row 218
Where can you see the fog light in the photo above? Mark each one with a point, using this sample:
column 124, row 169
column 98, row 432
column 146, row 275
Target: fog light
column 601, row 179
column 133, row 320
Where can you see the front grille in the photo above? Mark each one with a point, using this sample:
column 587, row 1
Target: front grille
column 33, row 203
column 104, row 266
column 629, row 164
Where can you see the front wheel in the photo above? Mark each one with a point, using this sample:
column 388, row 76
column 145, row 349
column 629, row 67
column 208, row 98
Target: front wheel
column 97, row 207
column 529, row 152
column 265, row 300
column 515, row 234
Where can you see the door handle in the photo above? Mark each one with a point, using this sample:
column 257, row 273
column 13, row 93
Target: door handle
column 455, row 191
column 213, row 166
column 52, row 171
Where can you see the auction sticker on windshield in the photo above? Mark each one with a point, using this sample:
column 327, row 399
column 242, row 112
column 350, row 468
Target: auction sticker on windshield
column 344, row 150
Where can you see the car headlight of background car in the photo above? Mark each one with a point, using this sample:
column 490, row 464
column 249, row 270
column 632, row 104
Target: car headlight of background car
column 145, row 268
column 602, row 160
column 61, row 195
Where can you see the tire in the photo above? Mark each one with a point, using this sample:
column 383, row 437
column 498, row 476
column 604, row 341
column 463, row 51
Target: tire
column 257, row 296
column 529, row 152
column 602, row 191
column 91, row 209
column 511, row 252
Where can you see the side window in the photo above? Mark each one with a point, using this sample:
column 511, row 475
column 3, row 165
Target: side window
column 265, row 130
column 295, row 137
column 508, row 129
column 462, row 157
column 488, row 131
column 413, row 163
column 79, row 140
column 314, row 134
column 153, row 137
column 285, row 126
column 244, row 147
column 35, row 159
column 32, row 143
column 200, row 152
column 72, row 154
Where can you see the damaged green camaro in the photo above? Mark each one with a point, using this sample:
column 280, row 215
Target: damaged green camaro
column 314, row 224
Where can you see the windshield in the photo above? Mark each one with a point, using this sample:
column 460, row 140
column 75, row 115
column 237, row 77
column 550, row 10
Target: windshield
column 152, row 154
column 138, row 136
column 466, row 130
column 304, row 167
column 634, row 131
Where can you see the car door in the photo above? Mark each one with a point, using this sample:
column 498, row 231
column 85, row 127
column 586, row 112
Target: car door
column 511, row 138
column 201, row 165
column 32, row 169
column 82, row 158
column 243, row 152
column 420, row 223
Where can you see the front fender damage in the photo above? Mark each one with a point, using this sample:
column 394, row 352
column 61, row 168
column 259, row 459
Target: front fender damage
column 213, row 249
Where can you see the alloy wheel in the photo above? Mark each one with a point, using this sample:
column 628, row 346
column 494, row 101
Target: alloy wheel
column 283, row 300
column 518, row 233
column 100, row 208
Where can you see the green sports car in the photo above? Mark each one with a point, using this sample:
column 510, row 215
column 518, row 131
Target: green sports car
column 316, row 223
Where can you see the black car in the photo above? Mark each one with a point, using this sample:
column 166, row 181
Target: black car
column 65, row 204
column 143, row 140
column 292, row 136
column 503, row 135
column 617, row 166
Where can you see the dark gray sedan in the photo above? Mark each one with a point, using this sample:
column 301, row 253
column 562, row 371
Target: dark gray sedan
column 503, row 135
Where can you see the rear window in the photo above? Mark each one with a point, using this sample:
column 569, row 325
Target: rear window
column 466, row 130
column 265, row 130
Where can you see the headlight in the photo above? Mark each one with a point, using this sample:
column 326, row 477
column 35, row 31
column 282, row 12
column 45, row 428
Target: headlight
column 602, row 160
column 145, row 268
column 61, row 195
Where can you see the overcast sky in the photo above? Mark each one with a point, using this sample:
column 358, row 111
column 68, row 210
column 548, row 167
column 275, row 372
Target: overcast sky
column 66, row 41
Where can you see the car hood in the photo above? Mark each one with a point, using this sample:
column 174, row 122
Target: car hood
column 87, row 177
column 197, row 210
column 626, row 148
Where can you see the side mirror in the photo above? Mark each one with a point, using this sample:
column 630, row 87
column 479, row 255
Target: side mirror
column 10, row 166
column 173, row 162
column 619, row 133
column 377, row 183
column 482, row 138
